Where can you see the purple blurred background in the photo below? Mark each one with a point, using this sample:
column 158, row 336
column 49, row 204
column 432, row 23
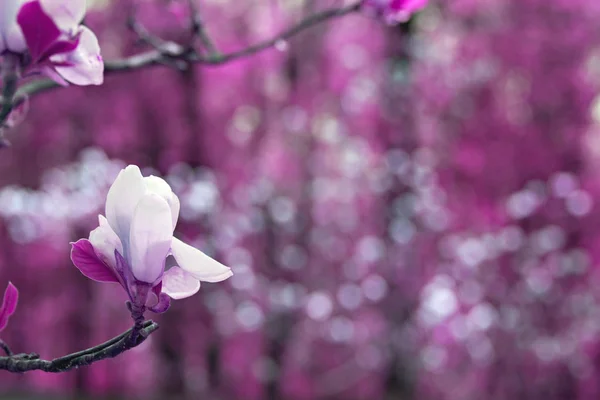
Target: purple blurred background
column 410, row 212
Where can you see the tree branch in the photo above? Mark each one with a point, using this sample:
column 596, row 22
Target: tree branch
column 169, row 52
column 5, row 348
column 29, row 362
column 199, row 30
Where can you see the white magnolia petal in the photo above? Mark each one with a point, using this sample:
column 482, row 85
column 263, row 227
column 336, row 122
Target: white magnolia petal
column 178, row 284
column 121, row 201
column 8, row 14
column 15, row 41
column 105, row 242
column 86, row 65
column 67, row 15
column 159, row 186
column 201, row 266
column 175, row 206
column 11, row 36
column 150, row 237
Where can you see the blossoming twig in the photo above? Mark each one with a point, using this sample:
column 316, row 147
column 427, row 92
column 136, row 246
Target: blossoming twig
column 165, row 52
column 29, row 362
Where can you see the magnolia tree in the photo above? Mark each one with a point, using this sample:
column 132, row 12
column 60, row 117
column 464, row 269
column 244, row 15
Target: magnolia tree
column 44, row 45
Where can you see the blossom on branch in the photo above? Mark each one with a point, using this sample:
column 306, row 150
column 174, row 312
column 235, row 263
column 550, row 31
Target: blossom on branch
column 132, row 243
column 9, row 304
column 48, row 38
column 394, row 11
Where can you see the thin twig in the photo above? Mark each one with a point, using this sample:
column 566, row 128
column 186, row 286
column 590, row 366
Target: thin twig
column 160, row 56
column 153, row 57
column 112, row 348
column 285, row 35
column 5, row 348
column 169, row 49
column 199, row 30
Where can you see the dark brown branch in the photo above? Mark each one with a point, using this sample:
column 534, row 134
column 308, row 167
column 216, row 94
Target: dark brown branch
column 29, row 362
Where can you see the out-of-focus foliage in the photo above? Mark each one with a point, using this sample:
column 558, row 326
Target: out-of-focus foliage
column 410, row 212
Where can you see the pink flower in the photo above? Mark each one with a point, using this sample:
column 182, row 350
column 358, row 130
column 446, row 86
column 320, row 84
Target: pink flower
column 9, row 304
column 132, row 243
column 394, row 11
column 48, row 36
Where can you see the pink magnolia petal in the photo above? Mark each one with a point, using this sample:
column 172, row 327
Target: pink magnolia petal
column 124, row 271
column 66, row 14
column 156, row 290
column 38, row 28
column 409, row 5
column 105, row 241
column 52, row 74
column 84, row 65
column 154, row 295
column 394, row 11
column 9, row 304
column 85, row 259
column 150, row 237
column 163, row 304
column 195, row 262
column 61, row 47
column 179, row 284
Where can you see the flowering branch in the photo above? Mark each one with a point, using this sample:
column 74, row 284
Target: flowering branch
column 29, row 362
column 168, row 52
column 129, row 247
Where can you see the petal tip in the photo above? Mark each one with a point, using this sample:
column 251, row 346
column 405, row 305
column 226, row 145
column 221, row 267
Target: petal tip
column 9, row 304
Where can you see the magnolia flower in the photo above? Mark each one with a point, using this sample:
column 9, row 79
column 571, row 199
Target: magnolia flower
column 9, row 304
column 48, row 36
column 132, row 242
column 394, row 11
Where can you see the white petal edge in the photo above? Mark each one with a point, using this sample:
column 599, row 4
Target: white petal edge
column 88, row 67
column 150, row 238
column 122, row 199
column 195, row 262
column 178, row 284
column 159, row 186
column 105, row 241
